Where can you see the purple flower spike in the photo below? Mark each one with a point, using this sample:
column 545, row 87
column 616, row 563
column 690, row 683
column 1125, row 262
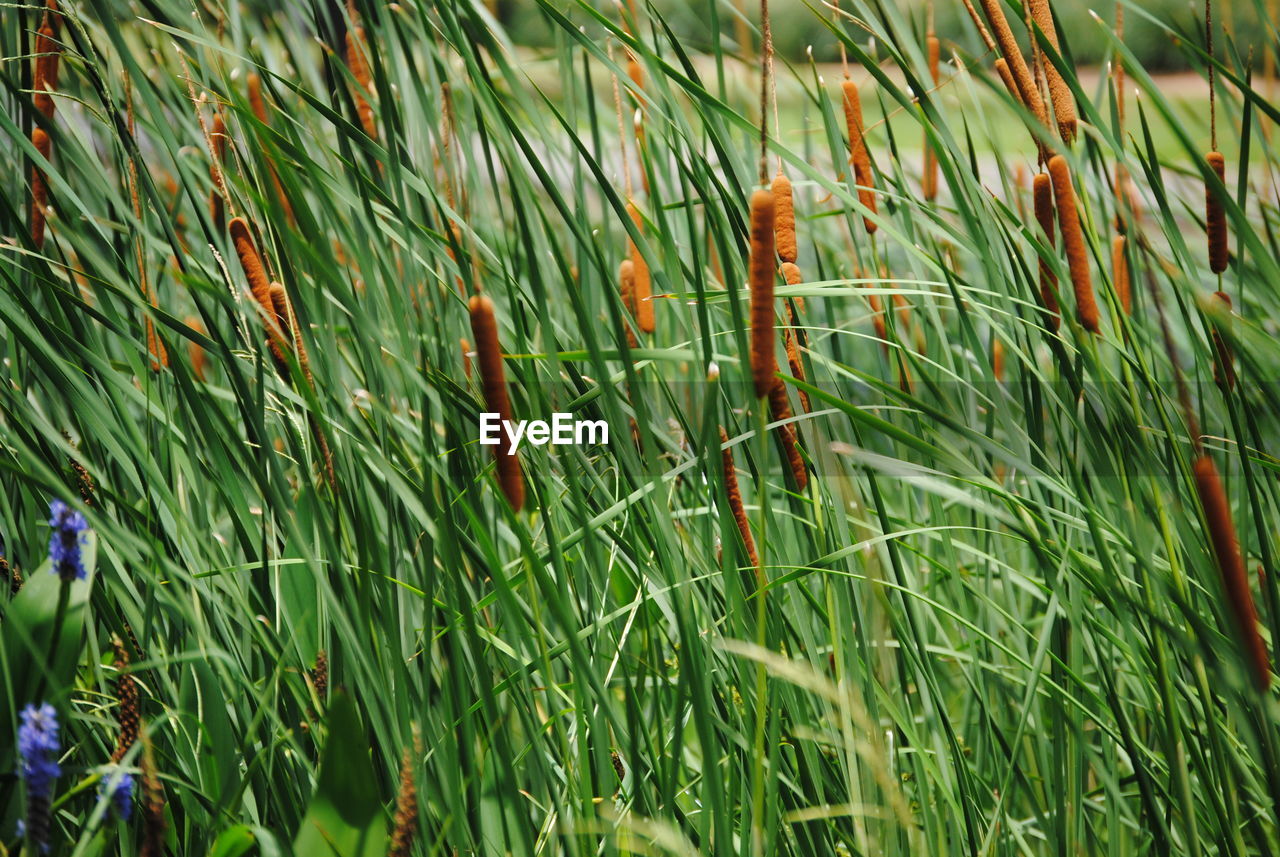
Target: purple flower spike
column 67, row 540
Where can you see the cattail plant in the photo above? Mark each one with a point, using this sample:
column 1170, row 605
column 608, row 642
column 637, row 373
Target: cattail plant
column 929, row 179
column 127, row 707
column 858, row 153
column 320, row 676
column 627, row 291
column 48, row 54
column 260, row 286
column 218, row 136
column 39, row 186
column 1224, row 370
column 1120, row 272
column 1073, row 242
column 997, row 360
column 195, row 353
column 1235, row 581
column 357, row 62
column 465, row 345
column 792, row 277
column 784, row 223
column 764, row 365
column 734, row 495
column 642, row 292
column 1042, row 201
column 1060, row 97
column 1215, row 218
column 1024, row 83
column 484, row 327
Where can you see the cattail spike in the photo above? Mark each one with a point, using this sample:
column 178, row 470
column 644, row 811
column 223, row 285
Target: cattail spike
column 45, row 77
column 195, row 352
column 1073, row 242
column 1215, row 221
column 1235, row 581
column 127, row 709
column 1024, row 84
column 39, row 187
column 217, row 205
column 1064, row 103
column 643, row 291
column 929, row 180
column 997, row 360
column 405, row 825
column 763, row 360
column 251, row 262
column 1120, row 273
column 627, row 289
column 785, row 222
column 357, row 49
column 1042, row 195
column 858, row 153
column 734, row 495
column 484, row 327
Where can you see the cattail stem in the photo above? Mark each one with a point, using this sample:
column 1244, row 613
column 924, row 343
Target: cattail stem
column 763, row 360
column 1224, row 370
column 1215, row 221
column 484, row 327
column 784, row 227
column 1064, row 103
column 1042, row 196
column 1073, row 242
column 1235, row 581
column 734, row 495
column 858, row 153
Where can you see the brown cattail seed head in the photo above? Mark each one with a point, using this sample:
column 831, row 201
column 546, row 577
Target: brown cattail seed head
column 929, row 181
column 792, row 277
column 1064, row 103
column 1042, row 196
column 255, row 97
column 1120, row 273
column 39, row 187
column 643, row 291
column 1235, row 581
column 1024, row 84
column 466, row 357
column 46, row 68
column 484, row 327
column 1215, row 221
column 784, row 227
column 1224, row 370
column 356, row 62
column 627, row 290
column 194, row 351
column 997, row 360
column 858, row 153
column 251, row 262
column 734, row 496
column 219, row 138
column 763, row 360
column 1073, row 242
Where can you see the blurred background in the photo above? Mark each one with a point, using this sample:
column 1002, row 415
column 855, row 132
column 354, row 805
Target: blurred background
column 1145, row 25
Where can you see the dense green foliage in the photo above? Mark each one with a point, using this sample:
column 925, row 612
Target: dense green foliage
column 992, row 623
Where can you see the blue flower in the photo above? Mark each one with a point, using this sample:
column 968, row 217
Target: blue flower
column 119, row 786
column 65, row 543
column 38, row 750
